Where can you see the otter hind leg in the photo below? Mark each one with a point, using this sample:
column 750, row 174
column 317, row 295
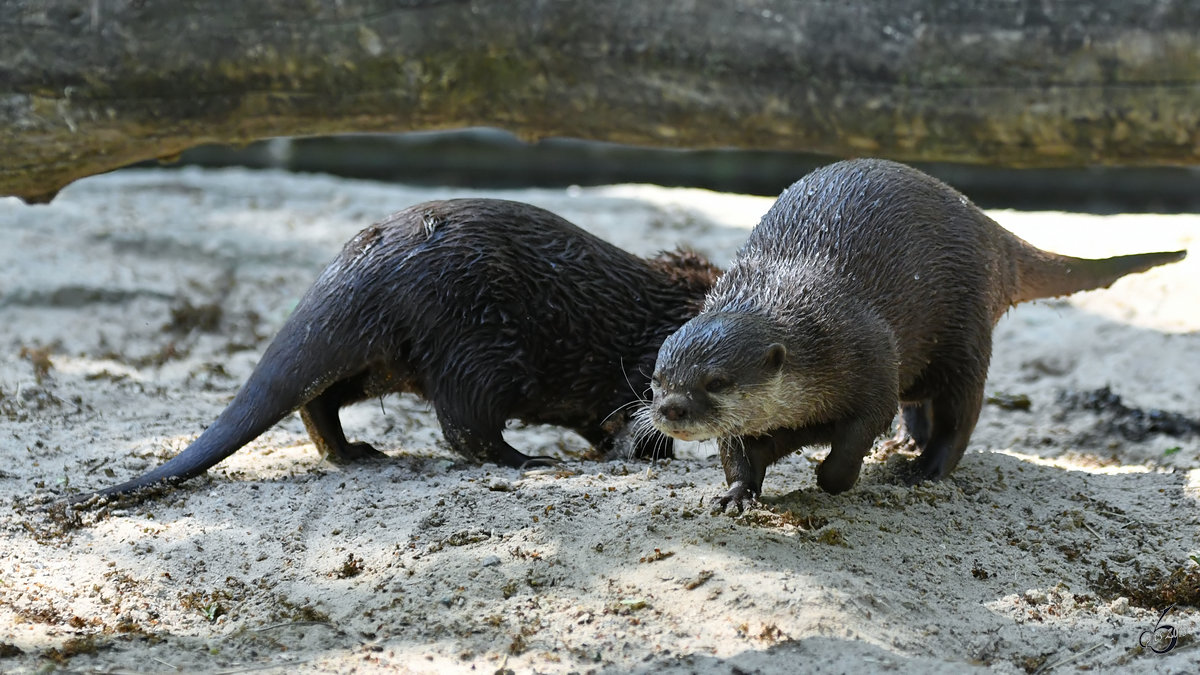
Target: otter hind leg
column 324, row 425
column 953, row 417
column 481, row 438
column 851, row 442
column 913, row 431
column 954, row 385
column 917, row 421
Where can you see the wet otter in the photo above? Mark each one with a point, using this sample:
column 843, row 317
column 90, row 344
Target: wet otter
column 490, row 309
column 867, row 284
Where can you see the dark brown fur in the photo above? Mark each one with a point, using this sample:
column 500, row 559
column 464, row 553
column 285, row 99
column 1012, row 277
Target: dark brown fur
column 490, row 309
column 866, row 286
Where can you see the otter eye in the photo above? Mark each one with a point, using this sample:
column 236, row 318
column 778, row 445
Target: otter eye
column 655, row 380
column 716, row 384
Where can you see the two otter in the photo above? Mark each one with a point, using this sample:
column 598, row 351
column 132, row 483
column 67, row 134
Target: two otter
column 490, row 309
column 867, row 286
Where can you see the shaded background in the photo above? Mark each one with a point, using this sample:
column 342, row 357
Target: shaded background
column 491, row 158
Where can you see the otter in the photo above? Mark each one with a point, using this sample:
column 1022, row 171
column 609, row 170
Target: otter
column 490, row 309
column 868, row 286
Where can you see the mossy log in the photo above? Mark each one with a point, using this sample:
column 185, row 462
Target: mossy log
column 91, row 85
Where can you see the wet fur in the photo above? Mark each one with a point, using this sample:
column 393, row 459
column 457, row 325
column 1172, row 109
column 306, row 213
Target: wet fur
column 490, row 309
column 883, row 285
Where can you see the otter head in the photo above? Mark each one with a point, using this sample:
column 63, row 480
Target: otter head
column 716, row 376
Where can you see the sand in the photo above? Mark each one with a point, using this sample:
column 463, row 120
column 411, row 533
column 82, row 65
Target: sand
column 136, row 303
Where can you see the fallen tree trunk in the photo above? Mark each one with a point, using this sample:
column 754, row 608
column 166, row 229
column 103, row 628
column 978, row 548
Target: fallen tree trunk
column 91, row 85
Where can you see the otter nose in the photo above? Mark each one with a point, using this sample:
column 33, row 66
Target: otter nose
column 674, row 411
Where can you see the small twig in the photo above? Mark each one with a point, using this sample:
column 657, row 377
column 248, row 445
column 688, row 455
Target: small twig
column 294, row 623
column 1068, row 659
column 264, row 666
column 169, row 665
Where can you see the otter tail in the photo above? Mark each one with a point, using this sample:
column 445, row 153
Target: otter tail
column 1046, row 275
column 290, row 373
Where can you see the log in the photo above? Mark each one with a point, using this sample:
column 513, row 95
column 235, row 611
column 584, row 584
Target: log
column 87, row 86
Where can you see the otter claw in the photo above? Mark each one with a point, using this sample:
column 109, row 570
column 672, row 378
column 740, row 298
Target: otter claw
column 737, row 494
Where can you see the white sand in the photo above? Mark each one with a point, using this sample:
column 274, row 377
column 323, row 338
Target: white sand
column 478, row 568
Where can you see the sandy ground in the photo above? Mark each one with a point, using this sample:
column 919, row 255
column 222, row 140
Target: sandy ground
column 1054, row 547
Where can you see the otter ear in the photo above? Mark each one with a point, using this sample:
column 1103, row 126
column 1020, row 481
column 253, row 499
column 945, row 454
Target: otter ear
column 775, row 356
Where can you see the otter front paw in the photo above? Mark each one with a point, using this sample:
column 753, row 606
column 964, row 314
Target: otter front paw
column 738, row 492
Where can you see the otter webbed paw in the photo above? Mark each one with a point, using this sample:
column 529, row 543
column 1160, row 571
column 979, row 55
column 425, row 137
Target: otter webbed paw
column 738, row 493
column 537, row 461
column 506, row 455
column 355, row 452
column 919, row 470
